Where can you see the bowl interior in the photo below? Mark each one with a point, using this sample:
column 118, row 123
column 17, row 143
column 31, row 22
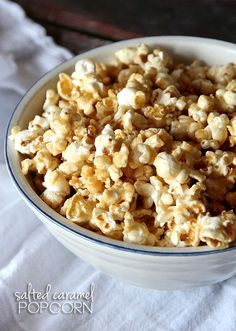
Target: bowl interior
column 183, row 48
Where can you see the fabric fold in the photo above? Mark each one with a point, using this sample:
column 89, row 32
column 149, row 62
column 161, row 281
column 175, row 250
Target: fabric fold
column 30, row 254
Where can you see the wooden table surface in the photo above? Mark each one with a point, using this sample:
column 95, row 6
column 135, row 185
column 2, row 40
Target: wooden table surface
column 80, row 25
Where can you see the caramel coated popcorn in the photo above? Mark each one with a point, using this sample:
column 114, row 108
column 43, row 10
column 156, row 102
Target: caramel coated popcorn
column 140, row 150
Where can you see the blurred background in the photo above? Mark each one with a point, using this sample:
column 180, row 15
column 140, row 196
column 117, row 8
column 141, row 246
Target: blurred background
column 80, row 25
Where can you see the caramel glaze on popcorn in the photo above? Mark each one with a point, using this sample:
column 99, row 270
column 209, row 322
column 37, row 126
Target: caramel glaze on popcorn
column 140, row 150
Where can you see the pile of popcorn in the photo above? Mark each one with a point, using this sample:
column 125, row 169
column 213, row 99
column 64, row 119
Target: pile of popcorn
column 140, row 150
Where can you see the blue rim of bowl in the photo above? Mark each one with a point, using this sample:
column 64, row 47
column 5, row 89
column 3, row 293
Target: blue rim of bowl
column 68, row 228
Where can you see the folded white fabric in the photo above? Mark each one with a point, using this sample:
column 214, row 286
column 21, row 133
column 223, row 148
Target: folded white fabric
column 29, row 254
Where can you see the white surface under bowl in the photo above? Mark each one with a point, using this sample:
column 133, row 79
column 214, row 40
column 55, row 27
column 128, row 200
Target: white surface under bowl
column 151, row 267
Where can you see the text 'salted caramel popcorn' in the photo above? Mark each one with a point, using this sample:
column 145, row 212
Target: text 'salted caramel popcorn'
column 140, row 150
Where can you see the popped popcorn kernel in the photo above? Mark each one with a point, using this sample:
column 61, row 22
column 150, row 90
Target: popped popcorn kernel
column 137, row 233
column 77, row 209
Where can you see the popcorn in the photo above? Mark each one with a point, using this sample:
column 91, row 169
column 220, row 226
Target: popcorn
column 106, row 106
column 232, row 130
column 156, row 115
column 163, row 80
column 137, row 233
column 136, row 92
column 205, row 103
column 132, row 54
column 153, row 192
column 220, row 162
column 159, row 60
column 57, row 188
column 60, row 126
column 184, row 235
column 90, row 180
column 102, row 162
column 77, row 209
column 86, row 103
column 105, row 142
column 186, row 152
column 203, row 86
column 231, row 86
column 84, row 67
column 165, row 98
column 27, row 165
column 143, row 172
column 52, row 112
column 64, row 87
column 86, row 79
column 24, row 141
column 44, row 161
column 120, row 159
column 52, row 199
column 217, row 231
column 230, row 98
column 197, row 113
column 129, row 97
column 39, row 123
column 56, row 182
column 169, row 169
column 222, row 74
column 76, row 153
column 103, row 220
column 154, row 141
column 140, row 150
column 218, row 127
column 14, row 131
column 185, row 127
column 70, row 168
column 52, row 99
column 114, row 172
column 133, row 120
column 117, row 194
column 124, row 74
column 141, row 154
column 55, row 143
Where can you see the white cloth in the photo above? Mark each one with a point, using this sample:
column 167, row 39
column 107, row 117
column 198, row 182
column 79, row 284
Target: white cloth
column 28, row 252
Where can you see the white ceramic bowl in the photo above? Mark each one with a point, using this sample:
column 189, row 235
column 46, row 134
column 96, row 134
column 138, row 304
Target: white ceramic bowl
column 151, row 267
